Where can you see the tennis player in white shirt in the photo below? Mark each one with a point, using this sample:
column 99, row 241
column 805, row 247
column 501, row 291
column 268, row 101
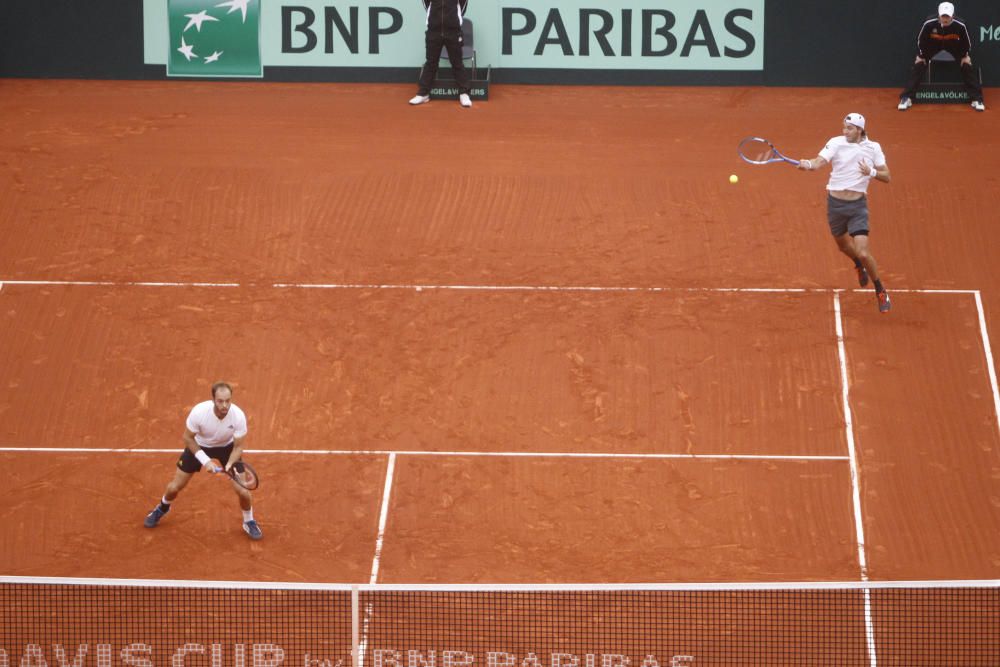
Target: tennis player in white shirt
column 855, row 160
column 213, row 442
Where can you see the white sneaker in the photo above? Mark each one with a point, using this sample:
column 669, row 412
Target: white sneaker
column 978, row 106
column 904, row 103
column 420, row 99
column 465, row 100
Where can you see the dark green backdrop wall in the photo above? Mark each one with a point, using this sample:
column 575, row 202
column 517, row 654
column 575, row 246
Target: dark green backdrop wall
column 861, row 43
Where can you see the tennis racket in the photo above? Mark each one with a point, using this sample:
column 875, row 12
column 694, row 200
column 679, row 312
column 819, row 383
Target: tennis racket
column 244, row 475
column 761, row 151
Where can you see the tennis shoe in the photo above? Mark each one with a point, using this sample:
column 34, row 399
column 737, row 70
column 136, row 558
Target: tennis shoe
column 465, row 100
column 904, row 103
column 252, row 529
column 862, row 275
column 420, row 99
column 153, row 517
column 883, row 301
column 978, row 105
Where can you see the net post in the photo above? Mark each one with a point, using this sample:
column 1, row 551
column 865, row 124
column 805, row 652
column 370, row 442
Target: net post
column 355, row 628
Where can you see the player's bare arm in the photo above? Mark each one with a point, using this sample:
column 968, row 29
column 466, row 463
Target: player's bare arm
column 879, row 173
column 237, row 452
column 811, row 164
column 193, row 447
column 189, row 441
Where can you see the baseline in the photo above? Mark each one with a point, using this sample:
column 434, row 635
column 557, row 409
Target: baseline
column 391, row 452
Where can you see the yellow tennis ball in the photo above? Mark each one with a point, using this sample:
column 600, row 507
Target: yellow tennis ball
column 734, row 179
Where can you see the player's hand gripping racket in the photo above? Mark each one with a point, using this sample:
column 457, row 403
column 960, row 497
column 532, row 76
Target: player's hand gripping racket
column 244, row 475
column 761, row 151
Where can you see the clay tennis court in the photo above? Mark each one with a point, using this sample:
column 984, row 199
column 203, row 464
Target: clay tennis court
column 617, row 367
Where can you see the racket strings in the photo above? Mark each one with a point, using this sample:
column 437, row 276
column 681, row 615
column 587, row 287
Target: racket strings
column 245, row 476
column 757, row 150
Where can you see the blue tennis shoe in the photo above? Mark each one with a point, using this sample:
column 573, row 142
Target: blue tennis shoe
column 154, row 517
column 252, row 529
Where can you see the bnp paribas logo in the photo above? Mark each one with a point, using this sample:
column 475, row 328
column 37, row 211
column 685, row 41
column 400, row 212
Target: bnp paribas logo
column 213, row 38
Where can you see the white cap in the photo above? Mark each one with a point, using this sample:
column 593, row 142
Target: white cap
column 946, row 9
column 855, row 119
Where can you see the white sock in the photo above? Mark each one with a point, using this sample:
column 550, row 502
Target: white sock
column 165, row 501
column 248, row 515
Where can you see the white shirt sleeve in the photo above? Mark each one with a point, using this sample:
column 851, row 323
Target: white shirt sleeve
column 829, row 150
column 239, row 422
column 192, row 420
column 879, row 155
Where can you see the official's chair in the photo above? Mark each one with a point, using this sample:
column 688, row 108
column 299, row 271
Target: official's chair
column 468, row 48
column 942, row 63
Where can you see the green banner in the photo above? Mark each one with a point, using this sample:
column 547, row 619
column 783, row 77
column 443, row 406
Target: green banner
column 240, row 37
column 214, row 39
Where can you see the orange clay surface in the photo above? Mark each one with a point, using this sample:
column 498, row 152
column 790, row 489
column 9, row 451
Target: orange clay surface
column 272, row 187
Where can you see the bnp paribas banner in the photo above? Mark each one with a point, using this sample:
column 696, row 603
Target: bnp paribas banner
column 195, row 38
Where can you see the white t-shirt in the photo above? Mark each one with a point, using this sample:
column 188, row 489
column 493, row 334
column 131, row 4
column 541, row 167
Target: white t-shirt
column 210, row 431
column 844, row 157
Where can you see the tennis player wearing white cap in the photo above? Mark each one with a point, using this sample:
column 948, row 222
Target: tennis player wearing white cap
column 854, row 160
column 943, row 32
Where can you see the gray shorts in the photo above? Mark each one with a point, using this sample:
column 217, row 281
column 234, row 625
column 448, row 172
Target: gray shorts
column 847, row 217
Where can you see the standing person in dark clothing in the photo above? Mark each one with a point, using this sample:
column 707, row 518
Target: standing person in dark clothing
column 444, row 29
column 944, row 33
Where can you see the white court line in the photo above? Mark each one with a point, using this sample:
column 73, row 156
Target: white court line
column 845, row 397
column 946, row 584
column 393, row 453
column 584, row 288
column 476, row 288
column 383, row 517
column 111, row 283
column 859, row 528
column 988, row 349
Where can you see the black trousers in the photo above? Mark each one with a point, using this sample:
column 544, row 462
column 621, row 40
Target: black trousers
column 968, row 79
column 435, row 40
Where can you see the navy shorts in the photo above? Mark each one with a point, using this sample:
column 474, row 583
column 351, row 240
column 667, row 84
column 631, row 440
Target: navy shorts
column 847, row 217
column 188, row 463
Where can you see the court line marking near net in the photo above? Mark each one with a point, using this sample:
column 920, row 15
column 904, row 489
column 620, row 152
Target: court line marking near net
column 471, row 288
column 988, row 350
column 562, row 587
column 392, row 453
column 383, row 517
column 845, row 396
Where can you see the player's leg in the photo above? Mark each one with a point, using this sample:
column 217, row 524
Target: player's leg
column 866, row 257
column 174, row 487
column 863, row 254
column 857, row 228
column 250, row 525
column 846, row 245
column 839, row 214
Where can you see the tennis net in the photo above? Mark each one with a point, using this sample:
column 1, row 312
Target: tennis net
column 131, row 623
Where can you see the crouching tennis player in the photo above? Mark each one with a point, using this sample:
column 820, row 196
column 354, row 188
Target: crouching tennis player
column 215, row 431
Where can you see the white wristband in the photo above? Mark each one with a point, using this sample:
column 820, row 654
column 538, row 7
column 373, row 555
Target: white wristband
column 874, row 172
column 202, row 457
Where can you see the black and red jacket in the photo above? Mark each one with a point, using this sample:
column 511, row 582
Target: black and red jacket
column 445, row 14
column 934, row 37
